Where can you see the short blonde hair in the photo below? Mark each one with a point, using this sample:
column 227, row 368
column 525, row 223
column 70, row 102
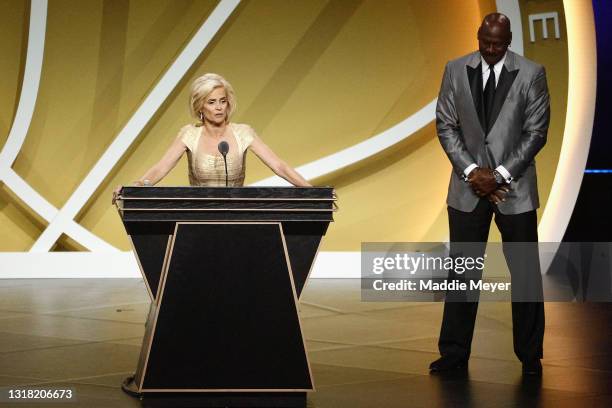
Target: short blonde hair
column 203, row 86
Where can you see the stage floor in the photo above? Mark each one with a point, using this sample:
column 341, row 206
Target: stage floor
column 87, row 333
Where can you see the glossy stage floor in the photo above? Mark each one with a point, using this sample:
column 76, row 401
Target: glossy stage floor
column 86, row 334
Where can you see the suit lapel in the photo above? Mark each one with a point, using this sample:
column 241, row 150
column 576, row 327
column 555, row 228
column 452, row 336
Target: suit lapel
column 506, row 79
column 475, row 82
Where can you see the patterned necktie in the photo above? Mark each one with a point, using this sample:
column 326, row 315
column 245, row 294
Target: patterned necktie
column 489, row 95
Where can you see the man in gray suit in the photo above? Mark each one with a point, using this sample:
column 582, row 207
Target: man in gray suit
column 492, row 119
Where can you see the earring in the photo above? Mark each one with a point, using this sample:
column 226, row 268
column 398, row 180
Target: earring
column 201, row 117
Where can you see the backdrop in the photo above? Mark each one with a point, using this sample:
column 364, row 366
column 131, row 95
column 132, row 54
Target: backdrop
column 344, row 90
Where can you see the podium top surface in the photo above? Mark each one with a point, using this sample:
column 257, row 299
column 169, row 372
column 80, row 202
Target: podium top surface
column 229, row 193
column 227, row 203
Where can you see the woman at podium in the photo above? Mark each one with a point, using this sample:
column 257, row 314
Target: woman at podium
column 216, row 148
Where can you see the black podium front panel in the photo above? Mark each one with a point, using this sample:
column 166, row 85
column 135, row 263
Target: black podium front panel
column 218, row 331
column 151, row 251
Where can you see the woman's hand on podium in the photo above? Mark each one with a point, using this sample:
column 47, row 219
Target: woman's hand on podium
column 137, row 183
column 116, row 193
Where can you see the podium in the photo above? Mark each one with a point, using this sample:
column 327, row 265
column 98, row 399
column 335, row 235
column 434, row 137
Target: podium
column 224, row 268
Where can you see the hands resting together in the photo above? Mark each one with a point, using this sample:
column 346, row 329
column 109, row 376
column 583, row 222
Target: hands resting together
column 482, row 181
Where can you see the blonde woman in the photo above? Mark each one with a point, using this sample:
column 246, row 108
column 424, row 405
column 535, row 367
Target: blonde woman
column 212, row 103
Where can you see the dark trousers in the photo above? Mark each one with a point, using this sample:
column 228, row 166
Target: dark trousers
column 527, row 316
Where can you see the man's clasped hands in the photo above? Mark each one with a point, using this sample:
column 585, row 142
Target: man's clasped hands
column 482, row 180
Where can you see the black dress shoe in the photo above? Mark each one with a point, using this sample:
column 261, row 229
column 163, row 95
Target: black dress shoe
column 532, row 367
column 447, row 363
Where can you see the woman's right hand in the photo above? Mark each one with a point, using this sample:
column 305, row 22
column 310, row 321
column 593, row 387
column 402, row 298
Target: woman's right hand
column 116, row 193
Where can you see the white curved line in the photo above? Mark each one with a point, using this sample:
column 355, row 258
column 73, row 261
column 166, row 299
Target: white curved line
column 87, row 238
column 21, row 125
column 47, row 211
column 134, row 126
column 29, row 90
column 28, row 195
column 582, row 89
column 362, row 150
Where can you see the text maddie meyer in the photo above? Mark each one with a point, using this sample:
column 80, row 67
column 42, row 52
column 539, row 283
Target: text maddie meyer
column 446, row 285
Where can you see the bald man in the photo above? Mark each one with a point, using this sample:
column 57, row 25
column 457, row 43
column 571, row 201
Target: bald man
column 492, row 119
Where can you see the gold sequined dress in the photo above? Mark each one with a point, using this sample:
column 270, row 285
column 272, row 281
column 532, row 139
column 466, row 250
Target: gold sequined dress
column 208, row 170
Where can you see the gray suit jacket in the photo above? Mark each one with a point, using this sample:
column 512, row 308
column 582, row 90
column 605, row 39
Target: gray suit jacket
column 514, row 135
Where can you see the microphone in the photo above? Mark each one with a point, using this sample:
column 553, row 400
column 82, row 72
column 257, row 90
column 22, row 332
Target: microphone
column 223, row 149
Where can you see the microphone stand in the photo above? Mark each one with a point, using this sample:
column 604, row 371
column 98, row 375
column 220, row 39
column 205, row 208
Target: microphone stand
column 225, row 162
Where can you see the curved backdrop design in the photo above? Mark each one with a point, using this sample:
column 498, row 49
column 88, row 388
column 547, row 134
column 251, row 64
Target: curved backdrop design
column 344, row 91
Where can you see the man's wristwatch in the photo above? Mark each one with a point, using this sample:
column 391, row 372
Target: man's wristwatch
column 499, row 179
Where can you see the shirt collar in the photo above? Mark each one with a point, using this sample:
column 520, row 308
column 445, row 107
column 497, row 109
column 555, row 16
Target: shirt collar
column 497, row 67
